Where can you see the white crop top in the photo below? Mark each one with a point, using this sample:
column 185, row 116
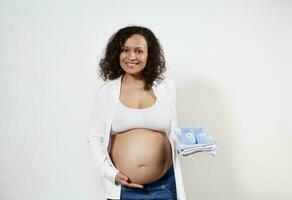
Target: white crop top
column 153, row 117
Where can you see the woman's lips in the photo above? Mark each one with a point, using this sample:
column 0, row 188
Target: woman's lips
column 131, row 65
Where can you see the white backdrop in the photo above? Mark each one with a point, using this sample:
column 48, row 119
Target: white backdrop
column 231, row 62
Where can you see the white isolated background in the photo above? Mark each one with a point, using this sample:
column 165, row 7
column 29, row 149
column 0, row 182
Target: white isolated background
column 231, row 61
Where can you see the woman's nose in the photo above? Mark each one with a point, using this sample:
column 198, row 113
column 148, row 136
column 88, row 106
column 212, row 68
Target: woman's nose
column 132, row 55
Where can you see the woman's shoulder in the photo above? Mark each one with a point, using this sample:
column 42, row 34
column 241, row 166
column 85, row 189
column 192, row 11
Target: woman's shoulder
column 170, row 82
column 101, row 87
column 105, row 86
column 107, row 83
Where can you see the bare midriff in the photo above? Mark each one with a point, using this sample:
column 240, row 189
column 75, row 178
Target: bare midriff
column 143, row 155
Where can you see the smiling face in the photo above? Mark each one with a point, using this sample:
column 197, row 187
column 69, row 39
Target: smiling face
column 133, row 57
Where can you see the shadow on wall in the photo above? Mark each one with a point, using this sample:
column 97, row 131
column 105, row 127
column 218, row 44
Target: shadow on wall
column 202, row 102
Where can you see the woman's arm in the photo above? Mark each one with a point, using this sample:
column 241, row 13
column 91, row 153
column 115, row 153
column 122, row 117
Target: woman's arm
column 172, row 95
column 96, row 138
column 171, row 92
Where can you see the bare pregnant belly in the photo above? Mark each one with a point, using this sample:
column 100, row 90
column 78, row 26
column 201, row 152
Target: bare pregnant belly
column 143, row 155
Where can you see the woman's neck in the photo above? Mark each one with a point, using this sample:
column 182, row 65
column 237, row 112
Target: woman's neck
column 130, row 80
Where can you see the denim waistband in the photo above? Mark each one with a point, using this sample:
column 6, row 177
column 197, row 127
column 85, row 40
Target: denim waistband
column 164, row 178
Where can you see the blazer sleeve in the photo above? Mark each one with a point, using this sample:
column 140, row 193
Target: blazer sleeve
column 96, row 134
column 172, row 92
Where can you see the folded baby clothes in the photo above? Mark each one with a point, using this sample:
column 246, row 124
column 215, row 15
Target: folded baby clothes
column 192, row 140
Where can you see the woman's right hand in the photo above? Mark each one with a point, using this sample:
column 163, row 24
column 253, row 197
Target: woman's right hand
column 122, row 179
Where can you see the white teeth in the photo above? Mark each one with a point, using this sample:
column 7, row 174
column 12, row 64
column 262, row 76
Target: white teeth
column 131, row 64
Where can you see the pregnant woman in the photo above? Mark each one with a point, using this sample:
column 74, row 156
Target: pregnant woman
column 133, row 120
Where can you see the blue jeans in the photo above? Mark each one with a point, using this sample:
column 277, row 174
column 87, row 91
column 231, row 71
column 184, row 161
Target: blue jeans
column 162, row 189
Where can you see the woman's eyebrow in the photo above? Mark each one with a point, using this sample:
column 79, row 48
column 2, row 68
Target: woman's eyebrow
column 137, row 47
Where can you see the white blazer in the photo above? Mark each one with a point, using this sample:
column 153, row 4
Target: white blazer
column 99, row 132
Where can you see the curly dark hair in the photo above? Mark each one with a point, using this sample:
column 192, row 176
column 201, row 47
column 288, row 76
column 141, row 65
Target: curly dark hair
column 110, row 67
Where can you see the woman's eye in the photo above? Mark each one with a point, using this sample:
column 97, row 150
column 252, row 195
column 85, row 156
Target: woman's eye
column 139, row 51
column 124, row 50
